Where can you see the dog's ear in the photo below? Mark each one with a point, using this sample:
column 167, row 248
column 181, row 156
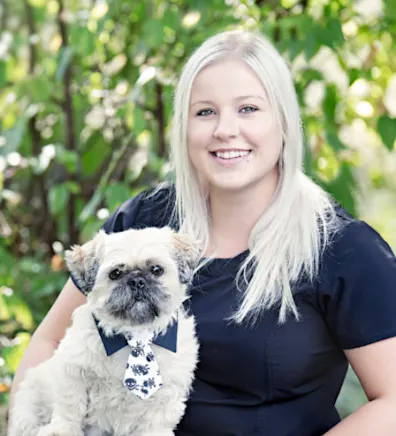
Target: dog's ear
column 83, row 262
column 188, row 253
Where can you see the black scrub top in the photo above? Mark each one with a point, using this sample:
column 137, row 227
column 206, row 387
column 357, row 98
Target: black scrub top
column 271, row 379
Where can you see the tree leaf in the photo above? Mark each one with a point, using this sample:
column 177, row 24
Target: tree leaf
column 330, row 102
column 4, row 312
column 65, row 57
column 153, row 33
column 40, row 89
column 95, row 156
column 90, row 208
column 310, row 74
column 58, row 198
column 13, row 355
column 20, row 310
column 389, row 8
column 116, row 194
column 387, row 129
column 90, row 227
column 294, row 49
column 172, row 17
column 139, row 121
column 354, row 74
column 343, row 188
column 333, row 138
column 73, row 187
column 331, row 34
column 14, row 136
column 67, row 158
column 312, row 45
column 3, row 74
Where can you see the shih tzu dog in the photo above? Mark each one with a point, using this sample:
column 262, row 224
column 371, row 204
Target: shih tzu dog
column 135, row 282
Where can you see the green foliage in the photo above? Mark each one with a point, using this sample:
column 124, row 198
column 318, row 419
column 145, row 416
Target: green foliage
column 85, row 108
column 387, row 129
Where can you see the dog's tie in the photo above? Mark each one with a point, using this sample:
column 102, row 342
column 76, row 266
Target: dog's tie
column 142, row 374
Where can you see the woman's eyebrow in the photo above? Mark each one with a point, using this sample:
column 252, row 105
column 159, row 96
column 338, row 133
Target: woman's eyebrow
column 201, row 102
column 242, row 97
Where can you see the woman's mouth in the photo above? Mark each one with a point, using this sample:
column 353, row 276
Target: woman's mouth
column 230, row 157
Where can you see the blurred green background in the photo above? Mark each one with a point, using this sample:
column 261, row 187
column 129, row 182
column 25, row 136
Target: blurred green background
column 85, row 105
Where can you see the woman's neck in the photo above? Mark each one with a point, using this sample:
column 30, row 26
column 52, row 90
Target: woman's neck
column 233, row 215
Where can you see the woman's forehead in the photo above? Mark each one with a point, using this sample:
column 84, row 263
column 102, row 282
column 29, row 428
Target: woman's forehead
column 231, row 76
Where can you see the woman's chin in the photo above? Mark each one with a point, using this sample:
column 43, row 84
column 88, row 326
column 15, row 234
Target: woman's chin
column 229, row 184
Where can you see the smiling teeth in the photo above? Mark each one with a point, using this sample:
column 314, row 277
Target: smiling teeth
column 231, row 154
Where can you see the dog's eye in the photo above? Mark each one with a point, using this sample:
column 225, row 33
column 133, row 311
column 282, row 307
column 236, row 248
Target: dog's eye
column 115, row 274
column 157, row 270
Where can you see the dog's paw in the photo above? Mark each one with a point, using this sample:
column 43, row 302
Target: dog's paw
column 59, row 430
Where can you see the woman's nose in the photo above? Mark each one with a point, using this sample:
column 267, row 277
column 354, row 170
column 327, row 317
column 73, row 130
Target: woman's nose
column 226, row 128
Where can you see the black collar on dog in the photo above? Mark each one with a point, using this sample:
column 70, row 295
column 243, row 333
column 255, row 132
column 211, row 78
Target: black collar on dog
column 114, row 343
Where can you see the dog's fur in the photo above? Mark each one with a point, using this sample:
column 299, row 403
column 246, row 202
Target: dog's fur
column 79, row 391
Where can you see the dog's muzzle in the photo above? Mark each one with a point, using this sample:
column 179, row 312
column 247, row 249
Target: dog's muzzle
column 137, row 299
column 138, row 285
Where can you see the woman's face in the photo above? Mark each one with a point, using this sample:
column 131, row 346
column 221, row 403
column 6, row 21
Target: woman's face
column 233, row 139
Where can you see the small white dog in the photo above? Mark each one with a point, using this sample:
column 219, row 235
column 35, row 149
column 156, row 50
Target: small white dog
column 135, row 282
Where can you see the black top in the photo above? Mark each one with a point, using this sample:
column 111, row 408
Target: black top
column 270, row 379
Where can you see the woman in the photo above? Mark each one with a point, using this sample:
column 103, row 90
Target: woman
column 295, row 288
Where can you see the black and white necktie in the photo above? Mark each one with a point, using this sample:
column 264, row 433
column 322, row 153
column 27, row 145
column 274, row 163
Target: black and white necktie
column 142, row 374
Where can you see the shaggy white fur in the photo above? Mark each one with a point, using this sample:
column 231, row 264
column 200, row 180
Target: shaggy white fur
column 80, row 391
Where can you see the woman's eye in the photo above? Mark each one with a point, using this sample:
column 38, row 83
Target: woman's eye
column 204, row 112
column 248, row 109
column 157, row 270
column 115, row 274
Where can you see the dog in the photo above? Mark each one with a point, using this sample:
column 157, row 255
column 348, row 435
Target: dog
column 136, row 282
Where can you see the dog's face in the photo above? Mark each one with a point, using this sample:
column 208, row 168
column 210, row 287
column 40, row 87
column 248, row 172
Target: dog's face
column 135, row 276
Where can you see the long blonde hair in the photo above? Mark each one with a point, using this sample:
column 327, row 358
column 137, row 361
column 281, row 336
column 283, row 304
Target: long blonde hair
column 287, row 241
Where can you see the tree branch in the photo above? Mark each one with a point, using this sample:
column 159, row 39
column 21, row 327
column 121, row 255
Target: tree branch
column 46, row 225
column 160, row 117
column 69, row 124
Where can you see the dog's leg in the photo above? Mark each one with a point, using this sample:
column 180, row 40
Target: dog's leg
column 26, row 428
column 163, row 422
column 31, row 410
column 23, row 421
column 70, row 403
column 59, row 429
column 62, row 424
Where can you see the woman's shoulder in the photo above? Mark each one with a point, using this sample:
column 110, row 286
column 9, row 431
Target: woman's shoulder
column 356, row 253
column 357, row 284
column 355, row 238
column 152, row 207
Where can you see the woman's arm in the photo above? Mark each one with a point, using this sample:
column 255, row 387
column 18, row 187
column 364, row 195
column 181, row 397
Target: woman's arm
column 374, row 365
column 49, row 333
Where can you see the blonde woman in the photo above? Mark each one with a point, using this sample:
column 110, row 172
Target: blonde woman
column 292, row 287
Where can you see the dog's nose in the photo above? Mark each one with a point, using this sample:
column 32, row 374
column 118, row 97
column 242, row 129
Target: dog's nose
column 137, row 283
